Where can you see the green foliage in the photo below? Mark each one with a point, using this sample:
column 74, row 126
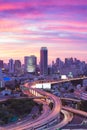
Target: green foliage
column 83, row 106
column 51, row 105
column 1, row 89
column 13, row 108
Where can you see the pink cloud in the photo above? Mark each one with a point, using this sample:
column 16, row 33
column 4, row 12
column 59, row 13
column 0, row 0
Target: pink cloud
column 65, row 2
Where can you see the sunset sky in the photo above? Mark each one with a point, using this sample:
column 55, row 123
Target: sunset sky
column 27, row 25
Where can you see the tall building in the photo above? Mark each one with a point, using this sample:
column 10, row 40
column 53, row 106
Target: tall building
column 1, row 64
column 1, row 79
column 11, row 66
column 68, row 61
column 0, row 74
column 30, row 63
column 17, row 65
column 59, row 63
column 44, row 61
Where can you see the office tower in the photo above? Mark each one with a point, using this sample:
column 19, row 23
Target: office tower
column 0, row 74
column 17, row 65
column 1, row 79
column 11, row 66
column 68, row 61
column 44, row 61
column 1, row 64
column 59, row 63
column 30, row 63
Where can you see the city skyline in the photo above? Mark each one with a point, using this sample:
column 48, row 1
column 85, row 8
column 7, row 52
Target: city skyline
column 27, row 25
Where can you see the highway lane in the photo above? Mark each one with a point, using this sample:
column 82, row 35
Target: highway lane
column 4, row 99
column 46, row 119
column 55, row 111
column 70, row 99
column 60, row 80
column 75, row 111
column 68, row 116
column 77, row 123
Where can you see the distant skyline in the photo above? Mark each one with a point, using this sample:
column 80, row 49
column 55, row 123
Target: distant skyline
column 28, row 25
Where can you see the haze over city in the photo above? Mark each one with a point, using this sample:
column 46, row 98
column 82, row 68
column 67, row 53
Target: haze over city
column 26, row 25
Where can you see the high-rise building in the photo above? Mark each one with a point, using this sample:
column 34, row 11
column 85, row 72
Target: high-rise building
column 0, row 74
column 68, row 61
column 1, row 79
column 30, row 63
column 1, row 64
column 11, row 66
column 17, row 65
column 59, row 63
column 44, row 61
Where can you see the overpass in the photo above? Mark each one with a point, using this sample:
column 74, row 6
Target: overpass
column 79, row 112
column 41, row 83
column 53, row 116
column 68, row 80
column 68, row 116
column 71, row 99
column 45, row 120
column 61, row 80
column 38, row 91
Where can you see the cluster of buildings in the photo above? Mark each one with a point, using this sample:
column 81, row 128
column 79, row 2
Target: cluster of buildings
column 71, row 67
column 30, row 64
column 15, row 68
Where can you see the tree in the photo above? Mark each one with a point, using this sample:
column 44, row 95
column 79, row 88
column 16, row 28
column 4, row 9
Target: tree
column 83, row 106
column 51, row 105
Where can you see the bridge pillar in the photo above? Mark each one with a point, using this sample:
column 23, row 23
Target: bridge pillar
column 58, row 118
column 47, row 125
column 76, row 106
column 30, row 90
column 34, row 92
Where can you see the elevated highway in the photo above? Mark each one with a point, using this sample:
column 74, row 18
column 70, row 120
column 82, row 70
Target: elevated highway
column 47, row 118
column 70, row 99
column 53, row 116
column 68, row 116
column 60, row 80
column 79, row 112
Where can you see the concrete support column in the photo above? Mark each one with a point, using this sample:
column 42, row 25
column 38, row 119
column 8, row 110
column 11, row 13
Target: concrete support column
column 58, row 118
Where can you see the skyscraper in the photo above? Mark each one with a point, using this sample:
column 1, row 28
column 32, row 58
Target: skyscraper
column 17, row 65
column 11, row 66
column 1, row 64
column 44, row 61
column 30, row 63
column 0, row 74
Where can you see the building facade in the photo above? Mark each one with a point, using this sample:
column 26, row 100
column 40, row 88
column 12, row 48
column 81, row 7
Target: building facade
column 44, row 61
column 17, row 65
column 1, row 64
column 11, row 66
column 30, row 63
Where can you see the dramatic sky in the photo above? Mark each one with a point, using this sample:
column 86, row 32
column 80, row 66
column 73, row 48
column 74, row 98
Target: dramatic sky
column 27, row 25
